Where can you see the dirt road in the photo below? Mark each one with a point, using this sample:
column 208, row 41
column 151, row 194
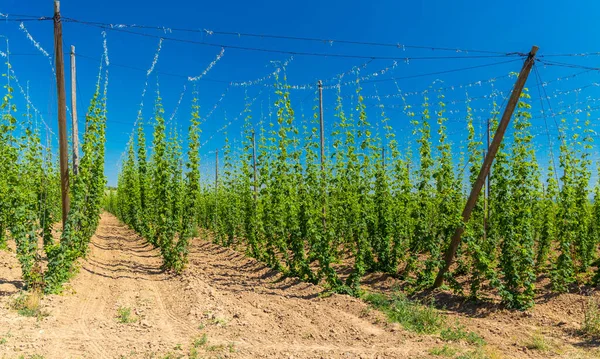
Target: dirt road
column 121, row 305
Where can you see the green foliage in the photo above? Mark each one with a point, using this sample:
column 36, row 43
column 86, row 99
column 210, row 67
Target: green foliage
column 537, row 342
column 87, row 193
column 30, row 194
column 591, row 319
column 458, row 333
column 412, row 316
column 125, row 316
column 367, row 206
column 29, row 304
column 517, row 257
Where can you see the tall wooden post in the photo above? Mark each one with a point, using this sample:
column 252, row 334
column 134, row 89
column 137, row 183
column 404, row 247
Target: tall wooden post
column 62, row 112
column 322, row 130
column 74, row 112
column 486, row 199
column 216, row 170
column 322, row 137
column 254, row 165
column 487, row 163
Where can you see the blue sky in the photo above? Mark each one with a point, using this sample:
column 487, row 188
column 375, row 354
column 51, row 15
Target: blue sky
column 505, row 26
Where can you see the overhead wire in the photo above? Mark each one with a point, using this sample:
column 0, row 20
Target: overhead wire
column 297, row 53
column 283, row 37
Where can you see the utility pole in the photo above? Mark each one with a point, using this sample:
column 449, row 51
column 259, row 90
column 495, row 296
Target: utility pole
column 62, row 112
column 74, row 112
column 254, row 165
column 487, row 163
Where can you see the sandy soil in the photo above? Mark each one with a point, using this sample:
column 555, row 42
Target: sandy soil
column 245, row 310
column 240, row 309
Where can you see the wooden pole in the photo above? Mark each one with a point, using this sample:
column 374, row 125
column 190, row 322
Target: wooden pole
column 216, row 170
column 322, row 130
column 74, row 112
column 486, row 204
column 62, row 112
column 487, row 163
column 254, row 165
column 322, row 137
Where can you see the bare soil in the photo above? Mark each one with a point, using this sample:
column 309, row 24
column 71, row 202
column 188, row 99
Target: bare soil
column 230, row 306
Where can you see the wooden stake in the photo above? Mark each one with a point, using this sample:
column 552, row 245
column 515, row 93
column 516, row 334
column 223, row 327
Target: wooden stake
column 74, row 112
column 62, row 112
column 254, row 165
column 487, row 163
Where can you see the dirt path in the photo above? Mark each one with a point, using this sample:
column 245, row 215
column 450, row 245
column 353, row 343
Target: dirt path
column 237, row 306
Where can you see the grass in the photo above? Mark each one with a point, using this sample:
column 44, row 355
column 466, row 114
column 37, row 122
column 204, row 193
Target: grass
column 29, row 305
column 537, row 342
column 445, row 351
column 124, row 315
column 458, row 333
column 591, row 319
column 413, row 316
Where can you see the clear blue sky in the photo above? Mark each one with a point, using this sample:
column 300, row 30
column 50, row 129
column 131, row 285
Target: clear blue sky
column 506, row 26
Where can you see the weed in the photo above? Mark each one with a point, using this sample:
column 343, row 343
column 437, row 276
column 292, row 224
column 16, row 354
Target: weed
column 193, row 353
column 591, row 319
column 215, row 348
column 231, row 347
column 198, row 342
column 219, row 321
column 29, row 305
column 445, row 351
column 4, row 338
column 458, row 333
column 177, row 347
column 537, row 342
column 124, row 315
column 411, row 315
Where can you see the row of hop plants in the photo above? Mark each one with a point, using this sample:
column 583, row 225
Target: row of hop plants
column 371, row 206
column 30, row 209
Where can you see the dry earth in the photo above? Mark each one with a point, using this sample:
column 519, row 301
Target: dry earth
column 234, row 307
